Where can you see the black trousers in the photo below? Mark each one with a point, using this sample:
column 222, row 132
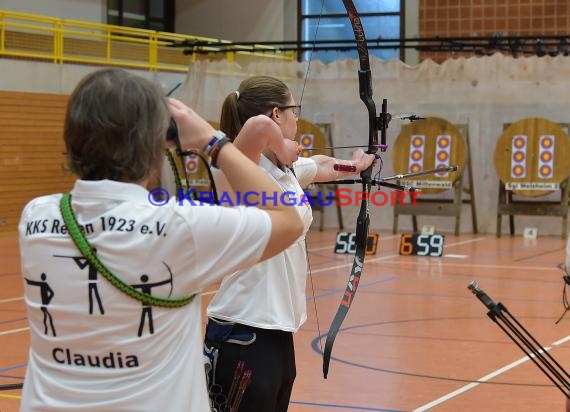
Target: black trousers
column 271, row 359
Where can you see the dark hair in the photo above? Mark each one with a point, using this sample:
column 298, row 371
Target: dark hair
column 115, row 127
column 257, row 95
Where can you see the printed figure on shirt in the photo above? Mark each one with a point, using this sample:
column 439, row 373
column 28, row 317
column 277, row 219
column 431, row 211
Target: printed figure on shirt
column 46, row 294
column 146, row 287
column 83, row 263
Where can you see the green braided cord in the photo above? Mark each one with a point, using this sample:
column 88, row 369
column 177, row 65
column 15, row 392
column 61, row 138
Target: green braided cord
column 84, row 247
column 177, row 180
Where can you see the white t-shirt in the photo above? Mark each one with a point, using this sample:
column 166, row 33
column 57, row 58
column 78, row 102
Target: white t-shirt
column 271, row 294
column 92, row 347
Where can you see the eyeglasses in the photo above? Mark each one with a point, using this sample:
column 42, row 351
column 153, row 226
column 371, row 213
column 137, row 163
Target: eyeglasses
column 296, row 109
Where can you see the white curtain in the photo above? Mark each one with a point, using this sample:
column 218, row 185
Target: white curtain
column 483, row 92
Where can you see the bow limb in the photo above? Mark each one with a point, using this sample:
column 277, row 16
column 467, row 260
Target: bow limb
column 171, row 280
column 365, row 90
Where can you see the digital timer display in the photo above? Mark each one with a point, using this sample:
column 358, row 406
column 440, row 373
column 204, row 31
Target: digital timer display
column 346, row 243
column 417, row 244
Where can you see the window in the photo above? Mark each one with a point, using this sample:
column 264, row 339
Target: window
column 143, row 14
column 381, row 19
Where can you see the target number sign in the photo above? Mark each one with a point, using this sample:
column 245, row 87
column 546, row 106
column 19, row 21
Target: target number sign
column 346, row 243
column 416, row 244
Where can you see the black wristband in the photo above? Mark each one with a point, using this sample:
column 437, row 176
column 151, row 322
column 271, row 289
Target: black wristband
column 216, row 150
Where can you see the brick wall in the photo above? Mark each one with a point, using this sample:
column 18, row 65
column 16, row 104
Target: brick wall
column 472, row 18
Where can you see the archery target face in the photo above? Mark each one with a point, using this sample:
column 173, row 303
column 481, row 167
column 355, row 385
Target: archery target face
column 518, row 158
column 417, row 148
column 442, row 153
column 425, row 145
column 191, row 164
column 546, row 157
column 307, row 140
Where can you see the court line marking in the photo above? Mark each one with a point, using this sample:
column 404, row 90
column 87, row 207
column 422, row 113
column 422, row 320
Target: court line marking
column 469, row 386
column 10, row 331
column 485, row 378
column 348, row 407
column 463, row 242
column 453, row 264
column 561, row 341
column 11, row 299
column 11, row 396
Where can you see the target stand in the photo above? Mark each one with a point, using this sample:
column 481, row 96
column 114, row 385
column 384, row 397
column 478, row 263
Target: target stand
column 428, row 144
column 531, row 160
column 318, row 135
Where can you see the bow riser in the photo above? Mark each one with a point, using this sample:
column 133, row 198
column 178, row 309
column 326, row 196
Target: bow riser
column 365, row 91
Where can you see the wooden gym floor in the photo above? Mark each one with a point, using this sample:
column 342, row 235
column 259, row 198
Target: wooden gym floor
column 415, row 337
